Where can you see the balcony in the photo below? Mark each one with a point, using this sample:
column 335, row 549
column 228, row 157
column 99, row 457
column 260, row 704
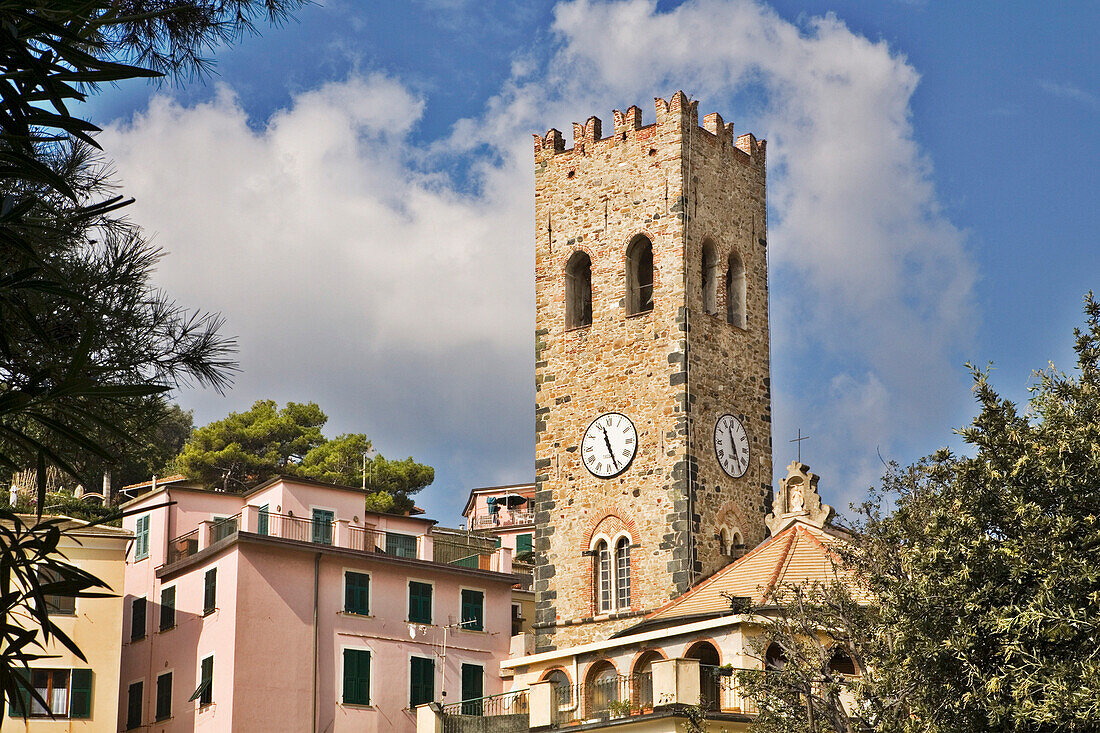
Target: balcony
column 507, row 711
column 501, row 519
column 470, row 551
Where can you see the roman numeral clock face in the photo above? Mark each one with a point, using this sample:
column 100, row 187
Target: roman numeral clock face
column 609, row 445
column 731, row 445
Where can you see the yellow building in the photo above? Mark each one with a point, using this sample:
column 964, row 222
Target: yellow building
column 83, row 695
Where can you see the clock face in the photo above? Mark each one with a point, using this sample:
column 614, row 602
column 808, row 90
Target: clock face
column 731, row 445
column 609, row 445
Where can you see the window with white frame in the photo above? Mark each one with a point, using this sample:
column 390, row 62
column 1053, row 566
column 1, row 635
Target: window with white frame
column 611, row 573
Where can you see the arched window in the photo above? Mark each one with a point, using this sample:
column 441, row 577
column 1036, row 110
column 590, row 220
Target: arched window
column 709, row 683
column 643, row 680
column 710, row 279
column 639, row 276
column 735, row 292
column 578, row 291
column 841, row 662
column 602, row 687
column 622, row 573
column 603, row 577
column 774, row 658
column 562, row 686
column 724, row 547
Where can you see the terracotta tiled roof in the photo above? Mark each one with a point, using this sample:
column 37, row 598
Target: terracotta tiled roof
column 799, row 553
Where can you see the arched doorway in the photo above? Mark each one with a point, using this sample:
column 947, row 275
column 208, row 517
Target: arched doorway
column 601, row 688
column 642, row 680
column 710, row 687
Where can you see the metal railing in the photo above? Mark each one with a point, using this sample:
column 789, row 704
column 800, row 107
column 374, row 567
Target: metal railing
column 302, row 529
column 183, row 546
column 224, row 527
column 460, row 717
column 607, row 698
column 720, row 691
column 470, row 551
column 503, row 518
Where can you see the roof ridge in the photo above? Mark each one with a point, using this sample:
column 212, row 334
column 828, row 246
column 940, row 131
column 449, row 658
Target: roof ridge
column 782, row 561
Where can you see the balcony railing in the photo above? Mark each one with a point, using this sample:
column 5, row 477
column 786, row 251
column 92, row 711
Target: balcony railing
column 183, row 546
column 608, row 698
column 468, row 551
column 222, row 528
column 465, row 716
column 503, row 518
column 720, row 691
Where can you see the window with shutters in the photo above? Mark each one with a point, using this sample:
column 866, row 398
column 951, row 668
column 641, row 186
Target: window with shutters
column 210, row 591
column 56, row 604
column 134, row 694
column 164, row 696
column 421, row 681
column 204, row 692
column 400, row 545
column 523, row 543
column 356, row 593
column 323, row 520
column 420, row 602
column 356, row 677
column 137, row 619
column 68, row 693
column 263, row 520
column 473, row 610
column 167, row 608
column 141, row 539
column 473, row 676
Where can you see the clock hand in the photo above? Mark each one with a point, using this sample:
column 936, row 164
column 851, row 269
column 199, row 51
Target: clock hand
column 607, row 441
column 733, row 444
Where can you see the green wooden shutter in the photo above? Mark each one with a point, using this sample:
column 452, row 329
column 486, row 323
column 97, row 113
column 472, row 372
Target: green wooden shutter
column 422, row 681
column 80, row 698
column 141, row 542
column 261, row 524
column 523, row 543
column 356, row 593
column 472, row 689
column 473, row 610
column 210, row 591
column 137, row 619
column 420, row 602
column 356, row 677
column 322, row 526
column 20, row 707
column 207, row 670
column 133, row 705
column 164, row 696
column 167, row 608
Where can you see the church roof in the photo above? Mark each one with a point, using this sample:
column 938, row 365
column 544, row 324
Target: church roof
column 799, row 553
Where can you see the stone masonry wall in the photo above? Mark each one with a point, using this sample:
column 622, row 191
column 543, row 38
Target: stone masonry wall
column 597, row 197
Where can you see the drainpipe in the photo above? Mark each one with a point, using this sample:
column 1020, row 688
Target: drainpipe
column 316, row 630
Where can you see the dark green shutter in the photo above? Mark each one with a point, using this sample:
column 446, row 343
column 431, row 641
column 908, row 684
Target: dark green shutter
column 164, row 696
column 80, row 699
column 400, row 545
column 356, row 677
column 357, row 593
column 420, row 602
column 137, row 619
column 167, row 608
column 133, row 706
column 261, row 524
column 207, row 673
column 523, row 543
column 473, row 609
column 210, row 591
column 472, row 689
column 422, row 681
column 20, row 707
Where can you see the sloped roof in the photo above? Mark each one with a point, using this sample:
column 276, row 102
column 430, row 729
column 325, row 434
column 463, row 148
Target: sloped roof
column 800, row 553
column 77, row 526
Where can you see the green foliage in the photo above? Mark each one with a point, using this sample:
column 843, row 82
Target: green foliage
column 67, row 505
column 32, row 567
column 247, row 448
column 983, row 574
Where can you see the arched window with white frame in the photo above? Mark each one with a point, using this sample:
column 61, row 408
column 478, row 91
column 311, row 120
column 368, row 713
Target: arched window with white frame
column 611, row 573
column 622, row 573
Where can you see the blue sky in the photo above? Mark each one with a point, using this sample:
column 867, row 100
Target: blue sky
column 352, row 192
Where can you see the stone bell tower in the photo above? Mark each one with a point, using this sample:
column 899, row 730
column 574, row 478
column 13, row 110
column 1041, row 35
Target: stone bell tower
column 653, row 401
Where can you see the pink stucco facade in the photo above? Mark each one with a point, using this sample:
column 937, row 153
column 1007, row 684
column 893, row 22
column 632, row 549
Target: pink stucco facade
column 278, row 628
column 495, row 510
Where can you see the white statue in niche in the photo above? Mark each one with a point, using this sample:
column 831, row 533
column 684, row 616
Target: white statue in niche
column 797, row 498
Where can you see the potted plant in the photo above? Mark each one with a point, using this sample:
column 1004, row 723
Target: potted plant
column 726, row 670
column 618, row 709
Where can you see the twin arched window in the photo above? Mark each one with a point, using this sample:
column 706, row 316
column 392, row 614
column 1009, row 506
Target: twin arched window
column 729, row 541
column 611, row 568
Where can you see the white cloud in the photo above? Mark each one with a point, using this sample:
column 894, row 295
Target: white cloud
column 358, row 274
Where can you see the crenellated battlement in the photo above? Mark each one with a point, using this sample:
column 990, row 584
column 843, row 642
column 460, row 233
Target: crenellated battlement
column 678, row 112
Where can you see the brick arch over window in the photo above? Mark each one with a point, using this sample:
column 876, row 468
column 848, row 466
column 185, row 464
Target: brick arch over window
column 609, row 523
column 730, row 516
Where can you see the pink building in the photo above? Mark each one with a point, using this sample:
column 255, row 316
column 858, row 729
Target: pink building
column 290, row 608
column 507, row 512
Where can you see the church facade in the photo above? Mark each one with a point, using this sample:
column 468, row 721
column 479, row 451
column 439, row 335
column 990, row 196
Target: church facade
column 653, row 405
